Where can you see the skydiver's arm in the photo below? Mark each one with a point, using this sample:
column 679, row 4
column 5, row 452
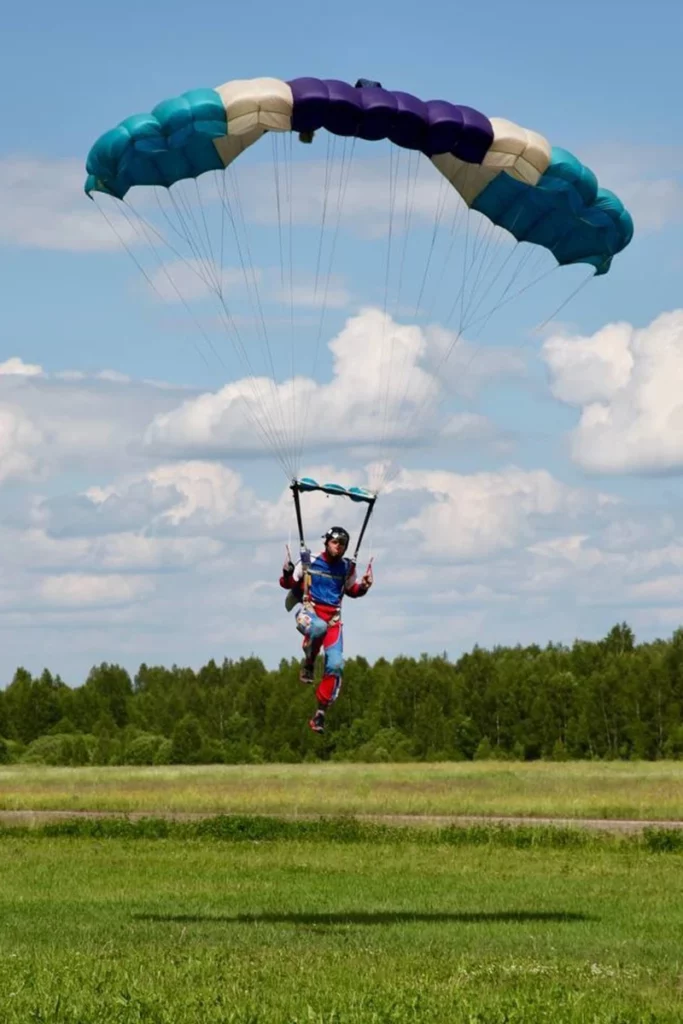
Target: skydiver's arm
column 356, row 591
column 287, row 571
column 359, row 588
column 288, row 579
column 293, row 577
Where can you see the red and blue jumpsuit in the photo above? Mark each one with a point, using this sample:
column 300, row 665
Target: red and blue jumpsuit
column 319, row 619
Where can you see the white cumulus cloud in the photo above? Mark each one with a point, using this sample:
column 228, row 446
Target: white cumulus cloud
column 627, row 381
column 20, row 445
column 590, row 369
column 189, row 280
column 67, row 420
column 330, row 293
column 43, row 206
column 476, row 515
column 648, row 179
column 81, row 590
column 19, row 368
column 388, row 381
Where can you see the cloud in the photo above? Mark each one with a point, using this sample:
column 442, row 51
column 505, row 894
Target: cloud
column 590, row 369
column 654, row 205
column 359, row 194
column 19, row 368
column 626, row 380
column 43, row 206
column 468, row 426
column 42, row 203
column 465, row 366
column 212, row 489
column 331, row 293
column 648, row 178
column 354, row 407
column 50, row 423
column 475, row 516
column 179, row 562
column 20, row 444
column 386, row 387
column 166, row 517
column 74, row 591
column 664, row 589
column 192, row 524
column 50, row 549
column 190, row 280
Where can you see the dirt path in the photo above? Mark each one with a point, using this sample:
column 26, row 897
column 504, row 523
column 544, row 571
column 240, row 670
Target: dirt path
column 433, row 820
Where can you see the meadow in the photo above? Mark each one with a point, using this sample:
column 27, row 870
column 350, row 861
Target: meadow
column 647, row 790
column 284, row 920
column 377, row 927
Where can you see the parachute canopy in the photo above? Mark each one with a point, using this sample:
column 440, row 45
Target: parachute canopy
column 259, row 240
column 539, row 193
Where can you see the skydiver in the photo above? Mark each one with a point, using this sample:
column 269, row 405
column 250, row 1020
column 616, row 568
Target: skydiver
column 331, row 576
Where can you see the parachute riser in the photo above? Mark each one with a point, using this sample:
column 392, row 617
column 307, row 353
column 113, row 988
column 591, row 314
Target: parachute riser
column 294, row 487
column 302, row 542
column 297, row 487
column 366, row 520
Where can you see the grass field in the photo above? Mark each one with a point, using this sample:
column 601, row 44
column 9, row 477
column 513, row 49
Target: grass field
column 372, row 931
column 241, row 921
column 643, row 790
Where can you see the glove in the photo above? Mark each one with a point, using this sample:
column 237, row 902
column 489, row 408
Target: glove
column 288, row 564
column 367, row 578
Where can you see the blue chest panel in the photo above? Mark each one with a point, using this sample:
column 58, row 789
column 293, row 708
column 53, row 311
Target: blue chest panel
column 328, row 579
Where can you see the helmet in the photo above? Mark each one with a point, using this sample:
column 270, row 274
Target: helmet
column 337, row 533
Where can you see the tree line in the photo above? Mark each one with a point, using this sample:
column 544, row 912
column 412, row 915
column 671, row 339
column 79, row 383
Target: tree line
column 611, row 698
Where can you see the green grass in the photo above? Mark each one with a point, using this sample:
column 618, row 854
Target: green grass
column 644, row 790
column 258, row 829
column 387, row 926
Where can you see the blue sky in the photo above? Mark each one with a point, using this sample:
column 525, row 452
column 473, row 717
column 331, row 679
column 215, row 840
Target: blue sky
column 527, row 519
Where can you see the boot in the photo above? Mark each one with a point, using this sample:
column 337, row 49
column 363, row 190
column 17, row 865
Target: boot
column 317, row 723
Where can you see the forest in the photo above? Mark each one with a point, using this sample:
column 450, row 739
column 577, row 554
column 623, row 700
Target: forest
column 606, row 699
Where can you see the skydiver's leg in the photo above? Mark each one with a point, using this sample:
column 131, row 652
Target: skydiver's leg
column 330, row 684
column 313, row 629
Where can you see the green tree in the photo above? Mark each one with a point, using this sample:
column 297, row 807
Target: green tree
column 484, row 751
column 32, row 705
column 187, row 741
column 107, row 691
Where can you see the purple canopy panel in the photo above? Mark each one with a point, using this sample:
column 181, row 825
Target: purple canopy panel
column 476, row 138
column 379, row 110
column 410, row 124
column 345, row 110
column 371, row 112
column 445, row 124
column 311, row 100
